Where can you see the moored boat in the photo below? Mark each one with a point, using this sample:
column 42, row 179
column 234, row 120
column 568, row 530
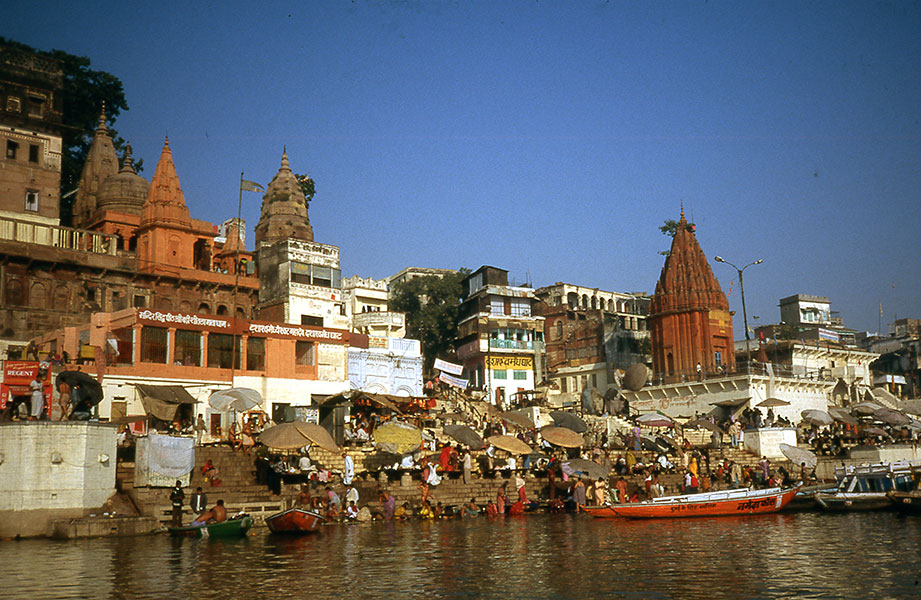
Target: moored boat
column 865, row 487
column 236, row 527
column 736, row 502
column 295, row 520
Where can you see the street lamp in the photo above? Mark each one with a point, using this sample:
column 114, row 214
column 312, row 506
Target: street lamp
column 748, row 347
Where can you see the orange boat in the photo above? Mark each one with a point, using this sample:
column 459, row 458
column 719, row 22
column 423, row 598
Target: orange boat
column 743, row 501
column 295, row 520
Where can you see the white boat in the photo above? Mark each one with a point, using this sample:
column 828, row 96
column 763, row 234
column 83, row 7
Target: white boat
column 864, row 487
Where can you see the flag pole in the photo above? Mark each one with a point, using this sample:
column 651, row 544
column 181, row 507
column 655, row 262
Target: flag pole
column 236, row 281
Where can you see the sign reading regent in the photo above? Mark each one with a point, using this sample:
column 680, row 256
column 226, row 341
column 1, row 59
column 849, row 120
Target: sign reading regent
column 509, row 362
column 168, row 317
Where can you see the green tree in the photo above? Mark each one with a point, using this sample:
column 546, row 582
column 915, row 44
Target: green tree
column 307, row 186
column 430, row 303
column 670, row 228
column 84, row 92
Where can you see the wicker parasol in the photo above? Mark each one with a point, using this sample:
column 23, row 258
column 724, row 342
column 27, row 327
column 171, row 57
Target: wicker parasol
column 655, row 420
column 562, row 418
column 465, row 436
column 399, row 436
column 284, row 436
column 509, row 443
column 635, row 377
column 518, row 418
column 817, row 417
column 772, row 402
column 865, row 408
column 563, row 437
column 841, row 415
column 799, row 455
column 586, row 467
column 892, row 417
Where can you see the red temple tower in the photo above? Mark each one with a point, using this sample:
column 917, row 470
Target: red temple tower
column 689, row 318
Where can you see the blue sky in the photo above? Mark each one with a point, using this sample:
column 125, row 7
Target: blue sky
column 547, row 138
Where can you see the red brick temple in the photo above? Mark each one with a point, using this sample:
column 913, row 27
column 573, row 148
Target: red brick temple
column 689, row 318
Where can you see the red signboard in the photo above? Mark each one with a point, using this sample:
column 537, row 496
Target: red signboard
column 19, row 372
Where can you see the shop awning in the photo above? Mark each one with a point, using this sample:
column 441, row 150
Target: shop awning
column 161, row 401
column 384, row 400
column 732, row 402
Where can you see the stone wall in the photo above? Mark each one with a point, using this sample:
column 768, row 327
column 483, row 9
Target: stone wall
column 53, row 469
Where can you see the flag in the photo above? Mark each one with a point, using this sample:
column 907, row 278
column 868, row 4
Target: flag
column 250, row 186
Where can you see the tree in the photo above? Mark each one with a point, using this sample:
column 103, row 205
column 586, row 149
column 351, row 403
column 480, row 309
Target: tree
column 670, row 228
column 84, row 91
column 307, row 186
column 430, row 303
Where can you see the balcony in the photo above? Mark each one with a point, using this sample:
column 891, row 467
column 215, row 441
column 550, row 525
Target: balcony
column 378, row 319
column 79, row 240
column 510, row 345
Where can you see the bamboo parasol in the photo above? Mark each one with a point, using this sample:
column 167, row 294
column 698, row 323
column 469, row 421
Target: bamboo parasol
column 562, row 436
column 509, row 443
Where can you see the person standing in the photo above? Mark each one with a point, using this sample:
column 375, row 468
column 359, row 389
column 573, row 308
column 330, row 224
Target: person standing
column 578, row 494
column 199, row 501
column 38, row 399
column 468, row 467
column 501, row 499
column 177, row 499
column 348, row 469
column 199, row 429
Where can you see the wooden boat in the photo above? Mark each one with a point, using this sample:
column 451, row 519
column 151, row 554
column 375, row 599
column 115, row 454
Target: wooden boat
column 742, row 501
column 906, row 501
column 805, row 498
column 225, row 529
column 295, row 520
column 865, row 487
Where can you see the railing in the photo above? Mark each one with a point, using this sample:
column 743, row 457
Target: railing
column 370, row 319
column 79, row 240
column 755, row 368
column 510, row 345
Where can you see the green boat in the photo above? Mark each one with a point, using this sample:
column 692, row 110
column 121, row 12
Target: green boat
column 225, row 529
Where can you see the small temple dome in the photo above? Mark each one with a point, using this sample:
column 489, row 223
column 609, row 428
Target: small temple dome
column 124, row 192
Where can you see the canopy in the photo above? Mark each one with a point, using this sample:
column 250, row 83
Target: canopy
column 509, row 443
column 704, row 424
column 238, row 399
column 731, row 403
column 817, row 417
column 401, row 437
column 580, row 466
column 318, row 435
column 465, row 436
column 772, row 402
column 865, row 408
column 892, row 417
column 875, row 431
column 912, row 407
column 284, row 436
column 655, row 420
column 162, row 401
column 563, row 418
column 90, row 389
column 841, row 415
column 799, row 455
column 563, row 437
column 518, row 418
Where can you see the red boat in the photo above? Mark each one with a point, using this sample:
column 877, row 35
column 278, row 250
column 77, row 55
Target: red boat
column 295, row 520
column 709, row 504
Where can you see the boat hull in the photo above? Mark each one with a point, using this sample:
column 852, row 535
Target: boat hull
column 295, row 521
column 711, row 504
column 225, row 529
column 853, row 501
column 906, row 501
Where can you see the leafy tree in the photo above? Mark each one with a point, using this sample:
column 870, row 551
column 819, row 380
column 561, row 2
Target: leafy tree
column 84, row 91
column 670, row 228
column 430, row 303
column 307, row 186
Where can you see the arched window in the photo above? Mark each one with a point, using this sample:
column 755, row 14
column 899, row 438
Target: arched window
column 594, row 302
column 204, row 309
column 221, row 309
column 14, row 296
column 559, row 329
column 164, row 304
column 572, row 299
column 38, row 296
column 584, row 301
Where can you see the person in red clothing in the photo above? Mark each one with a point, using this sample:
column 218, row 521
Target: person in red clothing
column 444, row 459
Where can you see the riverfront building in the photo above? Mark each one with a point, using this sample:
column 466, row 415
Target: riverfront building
column 500, row 338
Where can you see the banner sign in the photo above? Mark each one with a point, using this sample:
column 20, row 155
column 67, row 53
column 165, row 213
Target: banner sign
column 825, row 334
column 447, row 367
column 159, row 316
column 509, row 362
column 455, row 381
column 320, row 335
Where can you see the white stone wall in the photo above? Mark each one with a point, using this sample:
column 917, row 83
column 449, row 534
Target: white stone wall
column 56, row 465
column 766, row 442
column 296, row 392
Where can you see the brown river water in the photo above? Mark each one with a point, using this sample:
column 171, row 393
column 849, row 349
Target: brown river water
column 797, row 555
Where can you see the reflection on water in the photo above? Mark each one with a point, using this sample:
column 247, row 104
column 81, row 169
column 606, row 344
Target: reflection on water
column 802, row 555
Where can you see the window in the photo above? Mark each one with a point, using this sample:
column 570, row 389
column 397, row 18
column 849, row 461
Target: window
column 594, row 380
column 559, row 330
column 563, row 386
column 188, row 348
column 32, row 200
column 311, row 320
column 496, row 306
column 521, row 308
column 11, row 149
column 13, row 104
column 255, row 354
column 153, row 344
column 33, row 153
column 718, row 358
column 303, row 353
column 499, row 374
column 221, row 351
column 316, row 275
column 140, row 301
column 124, row 340
column 520, row 375
column 36, row 106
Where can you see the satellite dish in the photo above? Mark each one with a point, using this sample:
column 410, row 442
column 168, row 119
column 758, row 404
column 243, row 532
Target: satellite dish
column 635, row 378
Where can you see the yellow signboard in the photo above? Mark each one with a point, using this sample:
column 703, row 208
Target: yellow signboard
column 509, row 362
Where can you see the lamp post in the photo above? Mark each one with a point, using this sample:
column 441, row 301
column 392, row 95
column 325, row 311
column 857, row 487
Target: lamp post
column 748, row 347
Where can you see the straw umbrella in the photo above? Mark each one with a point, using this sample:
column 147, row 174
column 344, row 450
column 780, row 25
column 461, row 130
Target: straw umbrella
column 563, row 437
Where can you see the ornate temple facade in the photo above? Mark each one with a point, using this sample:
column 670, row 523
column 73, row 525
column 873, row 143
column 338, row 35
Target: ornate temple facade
column 689, row 318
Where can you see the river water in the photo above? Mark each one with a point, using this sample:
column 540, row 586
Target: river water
column 796, row 555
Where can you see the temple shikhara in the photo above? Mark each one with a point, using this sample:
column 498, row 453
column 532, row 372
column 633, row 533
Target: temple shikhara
column 689, row 317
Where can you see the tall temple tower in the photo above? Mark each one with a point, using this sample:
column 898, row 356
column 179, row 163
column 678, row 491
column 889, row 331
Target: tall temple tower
column 299, row 279
column 689, row 318
column 101, row 163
